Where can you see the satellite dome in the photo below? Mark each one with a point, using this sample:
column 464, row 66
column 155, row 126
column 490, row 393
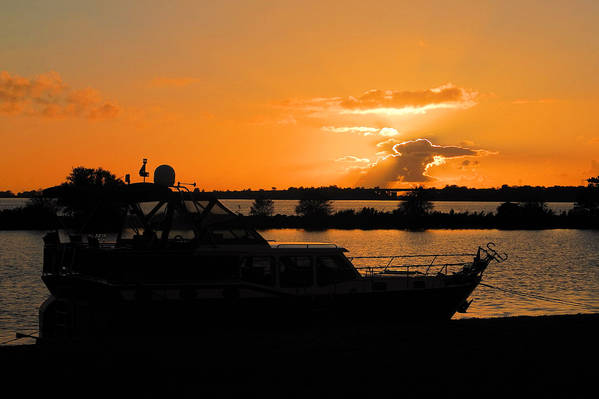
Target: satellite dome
column 164, row 175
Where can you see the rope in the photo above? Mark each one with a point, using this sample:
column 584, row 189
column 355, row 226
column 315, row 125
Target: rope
column 540, row 297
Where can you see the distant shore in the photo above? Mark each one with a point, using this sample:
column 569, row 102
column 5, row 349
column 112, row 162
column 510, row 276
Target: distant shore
column 542, row 356
column 448, row 193
column 36, row 218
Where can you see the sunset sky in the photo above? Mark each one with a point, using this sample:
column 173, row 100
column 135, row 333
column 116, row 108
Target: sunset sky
column 256, row 94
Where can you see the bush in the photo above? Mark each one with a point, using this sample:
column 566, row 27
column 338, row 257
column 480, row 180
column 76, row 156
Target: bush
column 314, row 207
column 262, row 207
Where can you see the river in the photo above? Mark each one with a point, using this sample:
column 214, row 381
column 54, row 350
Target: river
column 287, row 207
column 561, row 264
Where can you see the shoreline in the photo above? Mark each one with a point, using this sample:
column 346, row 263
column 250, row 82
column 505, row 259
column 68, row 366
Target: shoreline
column 532, row 354
column 366, row 219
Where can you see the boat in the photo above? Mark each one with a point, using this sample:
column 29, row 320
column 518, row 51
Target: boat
column 184, row 263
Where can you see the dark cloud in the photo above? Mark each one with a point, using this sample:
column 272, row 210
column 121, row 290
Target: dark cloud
column 400, row 99
column 390, row 102
column 409, row 163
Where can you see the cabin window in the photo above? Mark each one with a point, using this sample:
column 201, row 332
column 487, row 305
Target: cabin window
column 194, row 206
column 234, row 235
column 181, row 226
column 154, row 215
column 218, row 209
column 295, row 271
column 333, row 269
column 258, row 269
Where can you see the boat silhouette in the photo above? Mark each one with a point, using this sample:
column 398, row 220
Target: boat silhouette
column 183, row 263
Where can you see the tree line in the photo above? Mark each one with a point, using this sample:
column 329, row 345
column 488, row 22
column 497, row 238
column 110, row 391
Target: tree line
column 81, row 200
column 448, row 193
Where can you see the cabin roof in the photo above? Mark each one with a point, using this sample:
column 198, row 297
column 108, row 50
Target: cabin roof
column 135, row 192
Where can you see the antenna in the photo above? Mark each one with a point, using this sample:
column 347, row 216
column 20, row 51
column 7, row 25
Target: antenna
column 164, row 175
column 142, row 171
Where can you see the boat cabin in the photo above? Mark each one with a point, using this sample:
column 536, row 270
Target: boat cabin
column 189, row 238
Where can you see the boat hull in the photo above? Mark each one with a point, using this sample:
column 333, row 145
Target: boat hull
column 95, row 309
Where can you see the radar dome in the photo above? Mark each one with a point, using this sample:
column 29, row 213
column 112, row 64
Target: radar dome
column 164, row 175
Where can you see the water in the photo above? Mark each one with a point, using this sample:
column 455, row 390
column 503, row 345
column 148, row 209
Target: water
column 21, row 288
column 10, row 203
column 287, row 207
column 554, row 263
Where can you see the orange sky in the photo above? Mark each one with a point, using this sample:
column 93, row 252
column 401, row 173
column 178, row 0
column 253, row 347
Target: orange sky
column 261, row 94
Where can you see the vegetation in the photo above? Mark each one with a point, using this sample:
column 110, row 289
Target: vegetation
column 448, row 193
column 22, row 194
column 587, row 202
column 82, row 197
column 262, row 207
column 83, row 191
column 314, row 208
column 415, row 204
column 37, row 215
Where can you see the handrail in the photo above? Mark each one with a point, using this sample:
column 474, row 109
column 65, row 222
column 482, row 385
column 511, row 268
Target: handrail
column 407, row 256
column 307, row 245
column 415, row 265
column 404, row 269
column 441, row 268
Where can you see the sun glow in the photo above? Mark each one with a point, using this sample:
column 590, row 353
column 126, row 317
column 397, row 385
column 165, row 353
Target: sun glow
column 247, row 97
column 409, row 110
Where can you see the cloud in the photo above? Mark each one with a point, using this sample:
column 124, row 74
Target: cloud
column 410, row 162
column 366, row 131
column 522, row 101
column 162, row 82
column 393, row 102
column 48, row 96
column 351, row 158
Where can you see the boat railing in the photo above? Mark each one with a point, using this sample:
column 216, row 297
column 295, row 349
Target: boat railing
column 425, row 265
column 304, row 245
column 369, row 266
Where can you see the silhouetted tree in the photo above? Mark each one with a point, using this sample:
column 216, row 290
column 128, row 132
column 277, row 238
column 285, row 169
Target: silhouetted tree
column 86, row 177
column 415, row 203
column 588, row 199
column 509, row 210
column 533, row 209
column 311, row 207
column 7, row 194
column 262, row 207
column 86, row 195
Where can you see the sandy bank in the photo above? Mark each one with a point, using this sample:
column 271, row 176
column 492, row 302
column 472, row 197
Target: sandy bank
column 547, row 356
